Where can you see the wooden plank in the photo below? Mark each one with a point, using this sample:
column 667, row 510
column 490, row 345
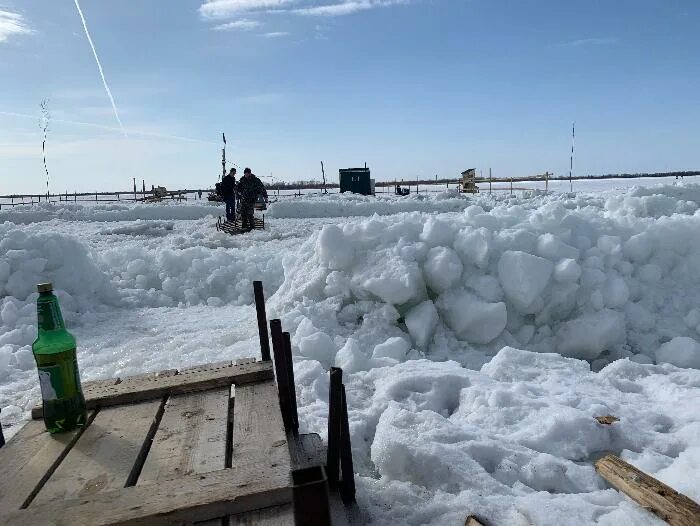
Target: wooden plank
column 88, row 388
column 306, row 450
column 206, row 367
column 653, row 495
column 274, row 516
column 154, row 375
column 186, row 382
column 196, row 497
column 258, row 431
column 26, row 458
column 191, row 437
column 103, row 457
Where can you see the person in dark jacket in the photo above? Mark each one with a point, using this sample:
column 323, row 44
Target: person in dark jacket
column 249, row 188
column 228, row 192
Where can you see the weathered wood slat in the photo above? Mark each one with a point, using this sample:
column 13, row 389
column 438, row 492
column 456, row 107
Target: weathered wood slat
column 275, row 516
column 653, row 495
column 306, row 450
column 196, row 497
column 186, row 382
column 26, row 458
column 104, row 456
column 206, row 367
column 191, row 437
column 258, row 431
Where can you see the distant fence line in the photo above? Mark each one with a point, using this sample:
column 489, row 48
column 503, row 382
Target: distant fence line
column 181, row 195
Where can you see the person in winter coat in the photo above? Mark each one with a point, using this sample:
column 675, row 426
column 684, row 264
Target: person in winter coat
column 228, row 192
column 249, row 188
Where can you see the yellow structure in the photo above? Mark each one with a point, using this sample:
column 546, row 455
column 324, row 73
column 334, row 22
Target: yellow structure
column 468, row 185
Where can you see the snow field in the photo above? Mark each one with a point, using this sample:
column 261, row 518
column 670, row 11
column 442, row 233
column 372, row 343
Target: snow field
column 479, row 337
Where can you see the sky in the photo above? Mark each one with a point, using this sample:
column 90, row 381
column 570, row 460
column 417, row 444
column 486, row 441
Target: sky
column 414, row 88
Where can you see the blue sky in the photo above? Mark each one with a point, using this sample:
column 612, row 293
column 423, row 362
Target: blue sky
column 412, row 87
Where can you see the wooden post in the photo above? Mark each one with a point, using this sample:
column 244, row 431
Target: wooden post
column 290, row 380
column 334, row 426
column 490, row 180
column 262, row 320
column 2, row 437
column 347, row 487
column 662, row 500
column 511, row 186
column 310, row 494
column 281, row 373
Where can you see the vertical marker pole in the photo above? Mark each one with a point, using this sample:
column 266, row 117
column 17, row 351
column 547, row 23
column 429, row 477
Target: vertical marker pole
column 290, row 381
column 347, row 488
column 2, row 437
column 490, row 180
column 281, row 372
column 334, row 426
column 262, row 320
column 571, row 159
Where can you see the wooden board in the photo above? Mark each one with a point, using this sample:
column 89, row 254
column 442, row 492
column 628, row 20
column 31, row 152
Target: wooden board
column 186, row 382
column 104, row 456
column 26, row 459
column 274, row 516
column 653, row 495
column 258, row 431
column 197, row 497
column 306, row 450
column 191, row 437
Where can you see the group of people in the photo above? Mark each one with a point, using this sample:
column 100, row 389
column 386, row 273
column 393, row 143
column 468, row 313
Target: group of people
column 247, row 192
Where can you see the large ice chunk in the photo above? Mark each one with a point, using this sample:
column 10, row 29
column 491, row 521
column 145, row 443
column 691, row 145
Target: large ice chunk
column 421, row 321
column 524, row 277
column 334, row 249
column 587, row 337
column 443, row 268
column 470, row 318
column 551, row 247
column 681, row 352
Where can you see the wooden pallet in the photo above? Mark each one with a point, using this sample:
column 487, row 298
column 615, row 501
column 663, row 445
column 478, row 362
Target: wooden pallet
column 185, row 446
column 235, row 227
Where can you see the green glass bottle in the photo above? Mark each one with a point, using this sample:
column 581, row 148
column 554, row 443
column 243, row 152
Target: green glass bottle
column 54, row 352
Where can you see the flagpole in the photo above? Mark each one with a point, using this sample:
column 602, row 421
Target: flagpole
column 223, row 157
column 571, row 159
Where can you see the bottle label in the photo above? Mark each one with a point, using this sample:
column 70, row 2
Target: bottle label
column 50, row 381
column 60, row 380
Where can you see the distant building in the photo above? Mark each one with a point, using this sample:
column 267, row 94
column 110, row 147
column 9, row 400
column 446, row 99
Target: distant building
column 469, row 181
column 356, row 180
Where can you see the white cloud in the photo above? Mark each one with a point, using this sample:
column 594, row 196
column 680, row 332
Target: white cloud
column 600, row 41
column 343, row 8
column 244, row 25
column 218, row 9
column 275, row 34
column 12, row 24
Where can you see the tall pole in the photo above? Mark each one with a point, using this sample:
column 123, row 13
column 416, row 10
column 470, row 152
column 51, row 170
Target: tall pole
column 323, row 173
column 223, row 157
column 490, row 181
column 571, row 159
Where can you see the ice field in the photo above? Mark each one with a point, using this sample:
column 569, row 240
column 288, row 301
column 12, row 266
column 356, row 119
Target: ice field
column 479, row 335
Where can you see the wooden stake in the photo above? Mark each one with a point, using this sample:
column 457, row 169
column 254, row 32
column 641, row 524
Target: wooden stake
column 290, row 380
column 334, row 426
column 311, row 506
column 347, row 488
column 281, row 373
column 2, row 437
column 262, row 320
column 654, row 496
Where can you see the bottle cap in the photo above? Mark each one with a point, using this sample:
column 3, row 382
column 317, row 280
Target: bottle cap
column 44, row 287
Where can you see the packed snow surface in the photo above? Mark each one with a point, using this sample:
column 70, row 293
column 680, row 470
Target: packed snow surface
column 479, row 335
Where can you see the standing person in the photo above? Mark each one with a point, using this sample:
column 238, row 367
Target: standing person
column 228, row 192
column 249, row 188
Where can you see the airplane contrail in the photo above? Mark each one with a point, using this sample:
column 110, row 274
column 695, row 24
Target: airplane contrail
column 111, row 128
column 99, row 66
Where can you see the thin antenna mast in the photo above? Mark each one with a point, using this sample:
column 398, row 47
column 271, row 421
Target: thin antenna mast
column 571, row 159
column 223, row 157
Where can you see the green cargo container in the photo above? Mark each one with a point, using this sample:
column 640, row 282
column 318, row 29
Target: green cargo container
column 355, row 180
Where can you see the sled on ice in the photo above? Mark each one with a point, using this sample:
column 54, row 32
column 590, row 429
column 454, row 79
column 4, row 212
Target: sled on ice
column 236, row 227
